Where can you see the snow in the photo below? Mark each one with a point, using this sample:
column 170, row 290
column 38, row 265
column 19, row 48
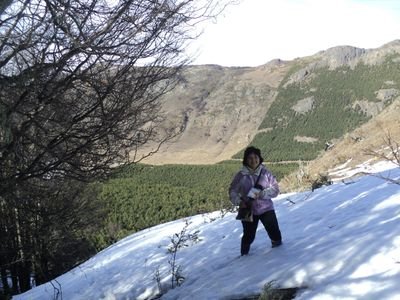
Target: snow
column 340, row 242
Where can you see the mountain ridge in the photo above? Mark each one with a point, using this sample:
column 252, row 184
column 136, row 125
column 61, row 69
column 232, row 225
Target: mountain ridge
column 224, row 106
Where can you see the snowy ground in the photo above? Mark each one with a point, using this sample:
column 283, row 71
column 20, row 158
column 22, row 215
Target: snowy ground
column 340, row 242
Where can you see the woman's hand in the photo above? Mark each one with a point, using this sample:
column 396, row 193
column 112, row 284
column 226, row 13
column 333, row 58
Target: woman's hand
column 269, row 192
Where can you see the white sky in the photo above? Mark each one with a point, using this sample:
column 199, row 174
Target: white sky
column 257, row 31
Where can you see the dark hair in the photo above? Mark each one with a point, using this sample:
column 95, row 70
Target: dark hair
column 252, row 150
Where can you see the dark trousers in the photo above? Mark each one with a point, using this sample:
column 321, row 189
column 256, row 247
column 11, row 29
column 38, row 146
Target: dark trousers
column 270, row 222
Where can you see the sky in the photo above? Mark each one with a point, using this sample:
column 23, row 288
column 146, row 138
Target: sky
column 254, row 32
column 339, row 242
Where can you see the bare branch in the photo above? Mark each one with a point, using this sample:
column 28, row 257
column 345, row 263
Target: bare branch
column 80, row 83
column 391, row 151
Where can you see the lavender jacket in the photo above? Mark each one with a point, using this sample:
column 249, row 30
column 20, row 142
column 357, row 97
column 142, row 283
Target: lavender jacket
column 245, row 179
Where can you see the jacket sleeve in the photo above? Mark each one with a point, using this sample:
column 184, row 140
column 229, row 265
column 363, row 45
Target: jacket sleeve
column 234, row 194
column 272, row 189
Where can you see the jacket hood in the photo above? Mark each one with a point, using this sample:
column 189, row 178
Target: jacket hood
column 247, row 171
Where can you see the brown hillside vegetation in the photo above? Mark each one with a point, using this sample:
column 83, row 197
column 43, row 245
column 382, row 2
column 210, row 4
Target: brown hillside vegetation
column 352, row 149
column 220, row 110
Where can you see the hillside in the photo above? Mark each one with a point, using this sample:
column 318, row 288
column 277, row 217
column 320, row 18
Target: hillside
column 340, row 242
column 296, row 105
column 221, row 109
column 356, row 146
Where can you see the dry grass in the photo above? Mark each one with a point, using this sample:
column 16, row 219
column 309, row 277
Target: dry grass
column 355, row 147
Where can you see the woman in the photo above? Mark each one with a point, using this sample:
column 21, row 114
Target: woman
column 254, row 173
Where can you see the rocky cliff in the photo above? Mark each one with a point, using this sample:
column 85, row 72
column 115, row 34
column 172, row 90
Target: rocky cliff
column 221, row 108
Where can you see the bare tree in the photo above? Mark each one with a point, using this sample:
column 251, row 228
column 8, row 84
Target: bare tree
column 43, row 231
column 80, row 82
column 391, row 151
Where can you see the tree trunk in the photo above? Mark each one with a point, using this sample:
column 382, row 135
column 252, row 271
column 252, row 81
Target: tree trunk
column 42, row 273
column 14, row 279
column 24, row 276
column 4, row 281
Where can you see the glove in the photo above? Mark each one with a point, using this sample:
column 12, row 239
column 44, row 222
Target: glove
column 253, row 194
column 269, row 192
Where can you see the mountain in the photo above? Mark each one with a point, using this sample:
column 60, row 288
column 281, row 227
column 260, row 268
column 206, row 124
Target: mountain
column 296, row 105
column 339, row 242
column 364, row 143
column 221, row 108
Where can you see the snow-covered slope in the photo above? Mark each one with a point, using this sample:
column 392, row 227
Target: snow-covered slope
column 340, row 242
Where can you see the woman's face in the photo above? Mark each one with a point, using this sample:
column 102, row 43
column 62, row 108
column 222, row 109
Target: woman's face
column 253, row 161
